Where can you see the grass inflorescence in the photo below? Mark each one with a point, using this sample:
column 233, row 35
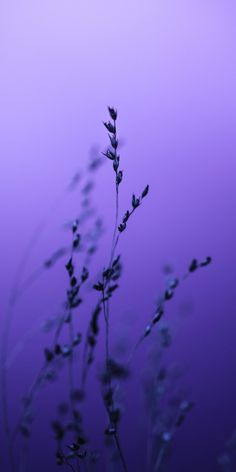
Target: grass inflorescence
column 77, row 350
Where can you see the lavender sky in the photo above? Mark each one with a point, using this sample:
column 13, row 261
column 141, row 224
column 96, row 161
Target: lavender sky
column 170, row 69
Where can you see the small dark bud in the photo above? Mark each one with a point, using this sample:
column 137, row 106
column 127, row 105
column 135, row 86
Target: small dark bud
column 110, row 127
column 66, row 350
column 99, row 287
column 168, row 294
column 113, row 113
column 179, row 420
column 116, row 260
column 207, row 261
column 135, row 202
column 85, row 274
column 57, row 349
column 112, row 288
column 114, row 141
column 94, row 321
column 88, row 187
column 145, row 191
column 76, row 241
column 111, row 155
column 158, row 315
column 48, row 263
column 91, row 341
column 126, row 217
column 147, row 330
column 75, row 302
column 92, row 249
column 69, row 265
column 74, row 226
column 193, row 266
column 117, row 370
column 77, row 339
column 122, row 227
column 119, row 177
column 73, row 281
column 173, row 283
column 60, row 458
column 48, row 354
column 116, row 164
column 107, row 273
column 95, row 163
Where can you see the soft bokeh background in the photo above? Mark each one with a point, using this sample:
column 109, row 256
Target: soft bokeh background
column 169, row 68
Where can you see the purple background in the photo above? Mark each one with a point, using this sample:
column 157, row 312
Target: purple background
column 169, row 68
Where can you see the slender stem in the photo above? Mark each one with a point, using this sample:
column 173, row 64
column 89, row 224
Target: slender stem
column 160, row 458
column 113, row 247
column 116, row 224
column 107, row 328
column 120, row 452
column 162, row 451
column 116, row 438
column 115, row 240
column 117, row 442
column 136, row 346
column 71, row 359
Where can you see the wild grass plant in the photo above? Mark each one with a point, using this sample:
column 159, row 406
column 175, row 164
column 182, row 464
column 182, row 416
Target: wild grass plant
column 76, row 350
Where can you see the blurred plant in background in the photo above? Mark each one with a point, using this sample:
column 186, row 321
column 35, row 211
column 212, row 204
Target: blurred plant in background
column 227, row 460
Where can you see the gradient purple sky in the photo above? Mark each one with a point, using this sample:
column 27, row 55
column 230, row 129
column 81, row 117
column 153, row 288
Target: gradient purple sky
column 170, row 69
